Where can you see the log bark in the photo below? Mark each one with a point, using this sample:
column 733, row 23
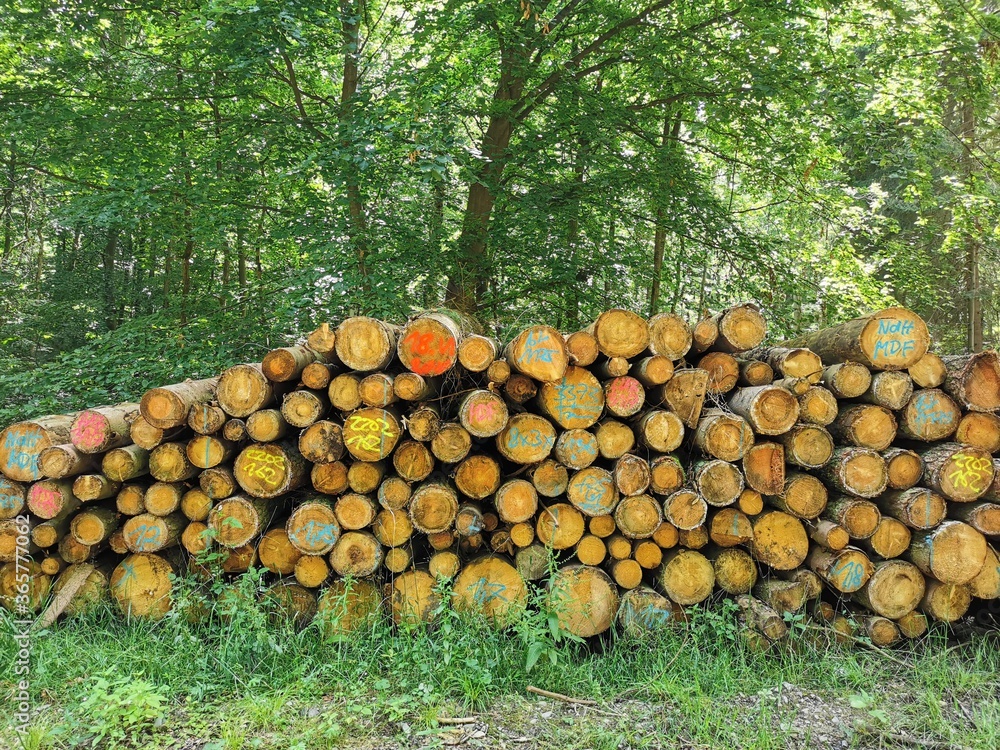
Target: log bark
column 890, row 339
column 986, row 585
column 168, row 406
column 983, row 517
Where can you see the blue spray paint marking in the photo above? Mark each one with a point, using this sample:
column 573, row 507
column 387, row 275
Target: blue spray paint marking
column 485, row 591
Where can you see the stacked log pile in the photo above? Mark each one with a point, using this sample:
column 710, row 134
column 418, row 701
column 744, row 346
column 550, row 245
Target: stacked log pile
column 628, row 471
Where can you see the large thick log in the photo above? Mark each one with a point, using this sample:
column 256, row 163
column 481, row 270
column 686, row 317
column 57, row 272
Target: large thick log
column 723, row 436
column 864, row 425
column 891, row 539
column 412, row 598
column 769, row 409
column 584, row 599
column 576, row 449
column 149, row 533
column 847, row 379
column 741, row 327
column 50, row 498
column 208, row 451
column 60, row 461
column 779, row 540
column 638, row 516
column 959, row 472
column 803, row 496
column 986, row 585
column 539, row 352
column 856, row 471
column 890, row 389
column 433, row 507
column 723, row 371
column 614, row 438
column 169, row 405
column 13, row 498
column 735, row 570
column 22, row 443
column 429, row 342
column 684, row 394
column 807, row 445
column 952, row 553
column 476, row 353
column 163, row 498
column 453, row 442
column 974, row 380
column 414, row 462
column 491, row 587
column 103, row 428
column 945, row 602
column 322, row 442
column 240, row 518
column 719, row 482
column 169, row 462
column 365, row 344
column 890, row 339
column 930, row 415
column 893, row 590
column 483, row 413
column 917, row 507
column 574, row 401
column 142, row 584
column 620, row 333
column 527, row 439
column 764, row 468
column 268, row 470
column 371, row 434
column 357, row 554
column 729, row 527
column 593, row 491
column 686, row 576
column 312, row 528
column 685, row 509
column 559, row 526
column 669, row 336
column 244, row 389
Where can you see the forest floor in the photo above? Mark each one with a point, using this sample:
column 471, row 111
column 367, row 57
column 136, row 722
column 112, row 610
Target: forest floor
column 104, row 683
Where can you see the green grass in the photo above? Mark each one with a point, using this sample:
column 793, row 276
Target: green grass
column 242, row 680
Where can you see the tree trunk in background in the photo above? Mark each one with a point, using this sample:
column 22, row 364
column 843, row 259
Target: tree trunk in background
column 974, row 334
column 468, row 280
column 241, row 257
column 350, row 17
column 670, row 132
column 108, row 265
column 8, row 205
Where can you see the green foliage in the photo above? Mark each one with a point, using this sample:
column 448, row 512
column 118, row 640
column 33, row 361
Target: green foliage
column 118, row 708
